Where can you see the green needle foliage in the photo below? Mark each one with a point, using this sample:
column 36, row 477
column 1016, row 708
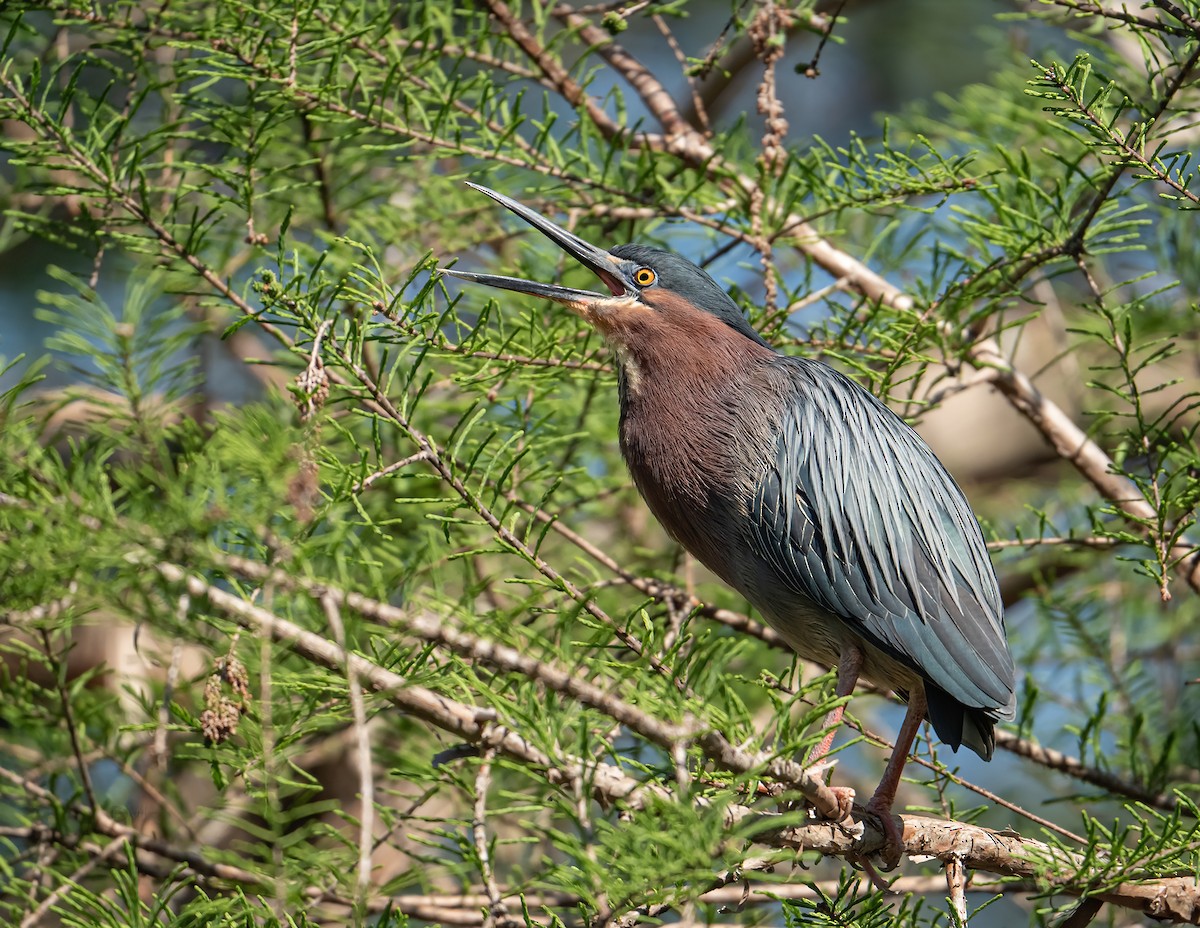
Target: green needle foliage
column 326, row 598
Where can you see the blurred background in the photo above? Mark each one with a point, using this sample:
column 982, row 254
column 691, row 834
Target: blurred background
column 924, row 145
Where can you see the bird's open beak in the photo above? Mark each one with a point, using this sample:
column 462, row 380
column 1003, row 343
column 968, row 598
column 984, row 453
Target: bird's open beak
column 600, row 262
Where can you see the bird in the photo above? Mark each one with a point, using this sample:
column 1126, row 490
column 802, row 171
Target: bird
column 803, row 492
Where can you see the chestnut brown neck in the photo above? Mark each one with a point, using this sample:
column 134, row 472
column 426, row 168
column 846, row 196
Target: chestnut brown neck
column 666, row 346
column 683, row 378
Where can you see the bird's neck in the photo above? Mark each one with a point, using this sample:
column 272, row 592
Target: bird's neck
column 683, row 411
column 672, row 356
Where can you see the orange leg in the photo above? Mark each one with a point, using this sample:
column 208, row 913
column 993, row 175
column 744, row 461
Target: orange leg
column 885, row 793
column 849, row 667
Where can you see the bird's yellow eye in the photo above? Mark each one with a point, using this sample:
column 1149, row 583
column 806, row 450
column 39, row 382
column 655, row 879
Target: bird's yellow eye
column 643, row 277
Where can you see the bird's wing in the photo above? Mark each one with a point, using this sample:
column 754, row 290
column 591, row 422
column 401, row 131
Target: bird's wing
column 858, row 515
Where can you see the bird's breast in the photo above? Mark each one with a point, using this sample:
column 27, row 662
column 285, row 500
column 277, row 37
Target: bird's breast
column 694, row 462
column 697, row 462
column 696, row 467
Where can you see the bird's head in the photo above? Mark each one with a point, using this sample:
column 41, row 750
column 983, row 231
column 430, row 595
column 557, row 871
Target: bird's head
column 647, row 286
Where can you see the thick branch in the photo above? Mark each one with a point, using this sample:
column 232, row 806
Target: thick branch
column 1006, row 853
column 435, row 629
column 1073, row 445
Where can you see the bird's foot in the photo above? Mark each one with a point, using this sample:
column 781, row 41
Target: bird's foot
column 893, row 834
column 831, row 804
column 845, row 801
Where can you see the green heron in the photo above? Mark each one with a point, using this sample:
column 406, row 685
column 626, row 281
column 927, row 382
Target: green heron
column 803, row 492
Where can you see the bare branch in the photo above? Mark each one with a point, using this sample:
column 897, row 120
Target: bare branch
column 1073, row 445
column 362, row 737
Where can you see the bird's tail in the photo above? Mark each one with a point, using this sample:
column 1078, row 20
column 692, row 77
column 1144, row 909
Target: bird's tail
column 957, row 724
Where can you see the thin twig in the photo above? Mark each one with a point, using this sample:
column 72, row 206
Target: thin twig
column 362, row 739
column 956, row 885
column 59, row 668
column 497, row 912
column 74, row 880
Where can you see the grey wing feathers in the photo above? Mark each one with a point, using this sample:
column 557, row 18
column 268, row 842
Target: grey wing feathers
column 860, row 516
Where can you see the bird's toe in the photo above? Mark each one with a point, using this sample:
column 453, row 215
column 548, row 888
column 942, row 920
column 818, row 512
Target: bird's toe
column 845, row 800
column 893, row 834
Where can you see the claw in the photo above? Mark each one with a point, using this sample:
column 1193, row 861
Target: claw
column 893, row 833
column 845, row 798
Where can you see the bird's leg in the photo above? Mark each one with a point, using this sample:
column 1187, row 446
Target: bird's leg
column 849, row 667
column 885, row 794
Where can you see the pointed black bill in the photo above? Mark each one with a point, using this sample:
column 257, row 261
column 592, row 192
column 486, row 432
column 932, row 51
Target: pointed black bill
column 597, row 260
